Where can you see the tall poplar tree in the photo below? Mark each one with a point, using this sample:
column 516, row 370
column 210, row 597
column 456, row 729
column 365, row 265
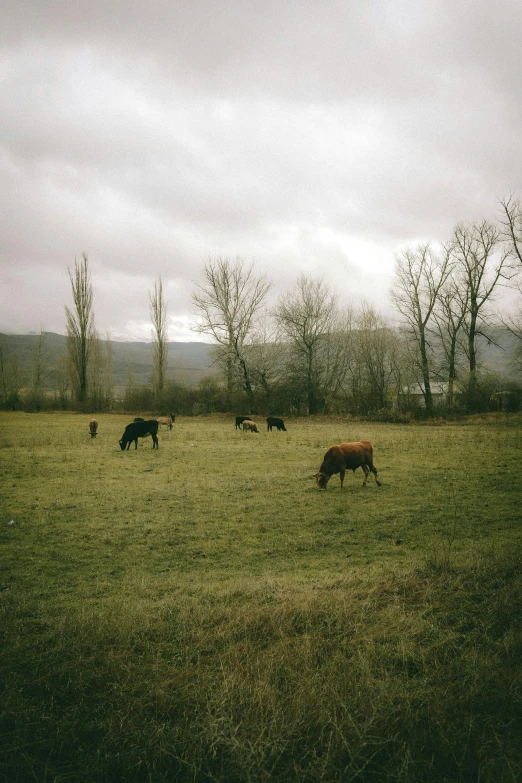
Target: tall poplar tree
column 80, row 329
column 158, row 314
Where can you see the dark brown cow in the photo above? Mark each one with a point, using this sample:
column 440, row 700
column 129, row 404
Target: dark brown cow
column 347, row 456
column 272, row 421
column 93, row 427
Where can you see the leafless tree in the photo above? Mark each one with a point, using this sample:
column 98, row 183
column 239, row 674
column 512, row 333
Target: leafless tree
column 420, row 275
column 334, row 357
column 10, row 381
column 449, row 316
column 158, row 314
column 80, row 329
column 371, row 354
column 512, row 224
column 307, row 317
column 41, row 370
column 100, row 373
column 267, row 359
column 404, row 367
column 227, row 302
column 107, row 372
column 480, row 258
column 62, row 379
column 512, row 230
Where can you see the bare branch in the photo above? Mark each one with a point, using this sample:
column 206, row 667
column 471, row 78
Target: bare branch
column 228, row 302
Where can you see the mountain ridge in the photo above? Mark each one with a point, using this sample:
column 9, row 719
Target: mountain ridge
column 190, row 362
column 187, row 362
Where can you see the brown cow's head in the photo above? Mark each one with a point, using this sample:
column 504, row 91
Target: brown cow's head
column 321, row 479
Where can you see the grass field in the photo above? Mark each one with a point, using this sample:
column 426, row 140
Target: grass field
column 202, row 612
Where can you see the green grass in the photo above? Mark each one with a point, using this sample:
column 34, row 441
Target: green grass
column 202, row 612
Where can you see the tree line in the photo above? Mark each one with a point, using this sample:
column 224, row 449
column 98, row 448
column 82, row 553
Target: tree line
column 308, row 355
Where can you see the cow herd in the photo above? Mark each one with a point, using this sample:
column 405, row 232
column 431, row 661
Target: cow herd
column 251, row 426
column 337, row 459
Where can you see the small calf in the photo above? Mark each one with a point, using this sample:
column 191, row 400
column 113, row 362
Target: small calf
column 166, row 420
column 249, row 425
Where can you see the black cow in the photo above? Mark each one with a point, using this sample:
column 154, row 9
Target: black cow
column 273, row 422
column 139, row 429
column 240, row 420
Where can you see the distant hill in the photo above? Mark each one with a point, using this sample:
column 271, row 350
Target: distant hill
column 187, row 362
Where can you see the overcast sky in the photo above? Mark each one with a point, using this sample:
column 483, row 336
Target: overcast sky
column 316, row 137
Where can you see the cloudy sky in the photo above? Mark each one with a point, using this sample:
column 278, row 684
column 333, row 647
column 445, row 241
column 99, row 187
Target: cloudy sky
column 316, row 137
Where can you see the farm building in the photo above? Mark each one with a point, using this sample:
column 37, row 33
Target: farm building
column 414, row 396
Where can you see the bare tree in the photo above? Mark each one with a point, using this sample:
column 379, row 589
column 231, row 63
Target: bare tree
column 480, row 257
column 512, row 224
column 10, row 381
column 307, row 318
column 62, row 376
column 80, row 329
column 420, row 274
column 334, row 357
column 107, row 372
column 512, row 231
column 404, row 368
column 266, row 358
column 228, row 302
column 449, row 315
column 158, row 314
column 100, row 373
column 41, row 370
column 372, row 347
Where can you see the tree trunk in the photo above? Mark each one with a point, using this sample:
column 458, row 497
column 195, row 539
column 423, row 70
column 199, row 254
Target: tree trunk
column 428, row 397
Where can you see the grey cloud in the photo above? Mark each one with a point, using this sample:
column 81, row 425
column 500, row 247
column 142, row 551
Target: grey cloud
column 297, row 135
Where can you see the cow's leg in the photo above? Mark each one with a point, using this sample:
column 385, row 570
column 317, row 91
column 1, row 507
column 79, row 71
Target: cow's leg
column 154, row 442
column 374, row 471
column 136, row 444
column 341, row 476
column 366, row 472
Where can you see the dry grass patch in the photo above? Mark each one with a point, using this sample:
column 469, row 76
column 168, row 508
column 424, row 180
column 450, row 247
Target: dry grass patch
column 203, row 613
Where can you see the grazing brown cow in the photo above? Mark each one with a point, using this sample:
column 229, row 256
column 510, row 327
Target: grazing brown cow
column 93, row 427
column 347, row 456
column 250, row 425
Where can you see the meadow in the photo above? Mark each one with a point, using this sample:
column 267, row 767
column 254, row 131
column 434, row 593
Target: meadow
column 201, row 612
